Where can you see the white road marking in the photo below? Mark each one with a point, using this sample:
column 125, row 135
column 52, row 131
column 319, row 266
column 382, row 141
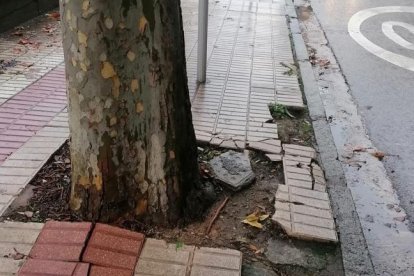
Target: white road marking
column 354, row 29
column 388, row 30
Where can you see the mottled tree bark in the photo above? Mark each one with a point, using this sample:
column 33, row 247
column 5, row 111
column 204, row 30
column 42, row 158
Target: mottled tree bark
column 133, row 146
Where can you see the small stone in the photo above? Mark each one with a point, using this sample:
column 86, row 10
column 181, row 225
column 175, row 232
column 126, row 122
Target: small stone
column 397, row 209
column 233, row 169
column 388, row 224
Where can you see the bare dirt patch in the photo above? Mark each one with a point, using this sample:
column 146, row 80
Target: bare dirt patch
column 48, row 195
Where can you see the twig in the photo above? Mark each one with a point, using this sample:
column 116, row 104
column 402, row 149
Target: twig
column 216, row 214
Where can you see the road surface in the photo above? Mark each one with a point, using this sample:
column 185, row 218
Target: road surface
column 378, row 63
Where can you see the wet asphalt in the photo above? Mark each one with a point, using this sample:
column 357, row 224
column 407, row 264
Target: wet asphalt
column 383, row 92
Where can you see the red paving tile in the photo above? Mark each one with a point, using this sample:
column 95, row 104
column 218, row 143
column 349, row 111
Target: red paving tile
column 62, row 241
column 107, row 271
column 82, row 269
column 113, row 247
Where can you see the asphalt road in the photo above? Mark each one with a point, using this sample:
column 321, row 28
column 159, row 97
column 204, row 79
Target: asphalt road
column 381, row 79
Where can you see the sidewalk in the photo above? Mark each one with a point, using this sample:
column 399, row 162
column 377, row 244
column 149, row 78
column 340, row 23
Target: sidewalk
column 249, row 54
column 248, row 43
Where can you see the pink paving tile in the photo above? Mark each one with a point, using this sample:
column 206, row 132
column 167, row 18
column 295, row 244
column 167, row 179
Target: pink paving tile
column 13, row 138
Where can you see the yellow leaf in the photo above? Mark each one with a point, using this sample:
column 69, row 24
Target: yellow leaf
column 263, row 217
column 252, row 217
column 253, row 223
column 107, row 70
column 143, row 22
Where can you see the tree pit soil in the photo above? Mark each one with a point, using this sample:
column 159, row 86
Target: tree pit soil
column 47, row 197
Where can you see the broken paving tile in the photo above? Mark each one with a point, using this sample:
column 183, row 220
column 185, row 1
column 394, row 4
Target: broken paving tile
column 297, row 174
column 271, row 146
column 274, row 157
column 301, row 151
column 305, row 214
column 233, row 169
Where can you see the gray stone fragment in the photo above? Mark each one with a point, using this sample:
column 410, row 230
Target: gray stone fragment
column 233, row 169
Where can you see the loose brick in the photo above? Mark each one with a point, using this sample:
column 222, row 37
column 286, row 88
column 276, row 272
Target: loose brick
column 108, row 258
column 62, row 241
column 121, row 252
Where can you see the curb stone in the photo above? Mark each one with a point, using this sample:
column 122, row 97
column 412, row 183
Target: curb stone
column 356, row 260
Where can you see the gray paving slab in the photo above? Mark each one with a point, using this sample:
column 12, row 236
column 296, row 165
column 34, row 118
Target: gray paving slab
column 16, row 238
column 161, row 258
column 305, row 214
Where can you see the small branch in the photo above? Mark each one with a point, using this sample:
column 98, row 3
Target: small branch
column 216, row 214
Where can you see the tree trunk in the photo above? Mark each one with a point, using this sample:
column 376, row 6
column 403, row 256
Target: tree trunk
column 133, row 146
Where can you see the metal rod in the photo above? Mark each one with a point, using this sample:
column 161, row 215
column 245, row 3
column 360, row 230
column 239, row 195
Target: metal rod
column 202, row 40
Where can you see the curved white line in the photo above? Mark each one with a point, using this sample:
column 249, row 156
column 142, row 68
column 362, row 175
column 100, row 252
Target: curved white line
column 388, row 30
column 354, row 29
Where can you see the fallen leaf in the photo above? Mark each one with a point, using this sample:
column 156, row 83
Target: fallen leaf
column 255, row 218
column 263, row 217
column 379, row 154
column 253, row 223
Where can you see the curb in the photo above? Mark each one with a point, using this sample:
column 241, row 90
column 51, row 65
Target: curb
column 356, row 259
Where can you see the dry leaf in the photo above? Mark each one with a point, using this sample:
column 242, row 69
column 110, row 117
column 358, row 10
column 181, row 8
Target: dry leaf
column 263, row 217
column 255, row 218
column 379, row 154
